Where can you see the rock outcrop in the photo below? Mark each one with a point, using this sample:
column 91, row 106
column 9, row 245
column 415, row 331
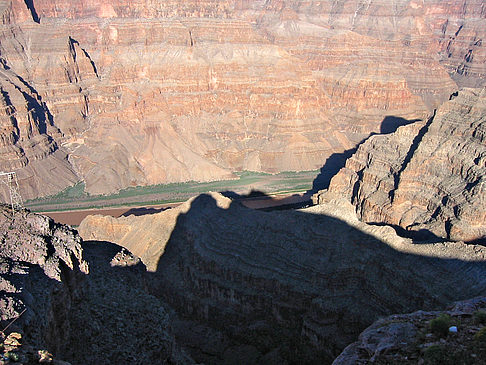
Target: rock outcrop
column 147, row 92
column 85, row 303
column 408, row 338
column 293, row 285
column 427, row 177
column 41, row 270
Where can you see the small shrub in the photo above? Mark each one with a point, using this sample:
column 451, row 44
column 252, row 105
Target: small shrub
column 480, row 317
column 12, row 356
column 435, row 355
column 480, row 336
column 440, row 326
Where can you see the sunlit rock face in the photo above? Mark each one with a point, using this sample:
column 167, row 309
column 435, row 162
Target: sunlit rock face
column 427, row 177
column 153, row 92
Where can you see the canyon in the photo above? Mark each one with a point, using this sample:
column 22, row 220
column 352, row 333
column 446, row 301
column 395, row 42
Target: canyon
column 388, row 98
column 125, row 93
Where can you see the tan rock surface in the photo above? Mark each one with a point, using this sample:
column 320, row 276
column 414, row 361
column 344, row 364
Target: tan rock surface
column 145, row 236
column 425, row 177
column 147, row 92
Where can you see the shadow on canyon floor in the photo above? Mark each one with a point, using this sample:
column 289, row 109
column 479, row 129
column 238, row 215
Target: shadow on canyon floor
column 423, row 235
column 291, row 287
column 143, row 211
column 257, row 199
column 336, row 161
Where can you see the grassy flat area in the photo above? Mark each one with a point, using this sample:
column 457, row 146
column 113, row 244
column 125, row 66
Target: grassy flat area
column 75, row 198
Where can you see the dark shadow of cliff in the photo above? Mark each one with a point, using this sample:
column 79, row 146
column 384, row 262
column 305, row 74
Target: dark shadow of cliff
column 391, row 123
column 419, row 236
column 143, row 211
column 294, row 286
column 260, row 200
column 337, row 161
column 115, row 318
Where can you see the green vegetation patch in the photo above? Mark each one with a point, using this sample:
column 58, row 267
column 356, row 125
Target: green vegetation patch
column 75, row 197
column 480, row 317
column 440, row 326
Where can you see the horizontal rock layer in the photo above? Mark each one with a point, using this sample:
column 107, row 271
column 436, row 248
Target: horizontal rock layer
column 147, row 92
column 427, row 177
column 272, row 279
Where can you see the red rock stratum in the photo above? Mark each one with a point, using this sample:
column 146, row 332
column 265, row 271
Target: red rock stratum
column 122, row 93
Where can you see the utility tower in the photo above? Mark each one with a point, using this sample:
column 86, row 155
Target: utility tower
column 10, row 180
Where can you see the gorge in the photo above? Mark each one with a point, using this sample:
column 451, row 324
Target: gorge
column 138, row 93
column 386, row 97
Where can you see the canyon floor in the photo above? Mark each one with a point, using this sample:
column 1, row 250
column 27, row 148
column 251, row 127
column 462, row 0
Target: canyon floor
column 246, row 184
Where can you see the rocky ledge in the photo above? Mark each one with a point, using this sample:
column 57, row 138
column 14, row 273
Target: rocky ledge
column 454, row 336
column 41, row 268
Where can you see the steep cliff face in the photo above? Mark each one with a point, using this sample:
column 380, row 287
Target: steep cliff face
column 28, row 139
column 427, row 176
column 147, row 92
column 300, row 284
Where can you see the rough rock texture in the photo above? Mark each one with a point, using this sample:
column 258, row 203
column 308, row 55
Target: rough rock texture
column 28, row 140
column 427, row 177
column 152, row 92
column 407, row 338
column 294, row 285
column 116, row 321
column 104, row 316
column 145, row 236
column 41, row 269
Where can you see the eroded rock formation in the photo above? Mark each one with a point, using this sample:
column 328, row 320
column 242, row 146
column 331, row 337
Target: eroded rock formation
column 427, row 177
column 294, row 285
column 85, row 303
column 148, row 92
column 41, row 270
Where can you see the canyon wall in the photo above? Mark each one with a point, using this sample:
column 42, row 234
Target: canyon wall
column 146, row 92
column 293, row 285
column 428, row 177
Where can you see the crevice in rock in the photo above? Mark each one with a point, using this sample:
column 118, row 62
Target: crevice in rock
column 33, row 12
column 72, row 49
column 410, row 153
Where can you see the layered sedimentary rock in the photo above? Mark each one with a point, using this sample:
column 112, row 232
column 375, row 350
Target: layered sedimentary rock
column 148, row 92
column 295, row 285
column 28, row 139
column 82, row 303
column 425, row 177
